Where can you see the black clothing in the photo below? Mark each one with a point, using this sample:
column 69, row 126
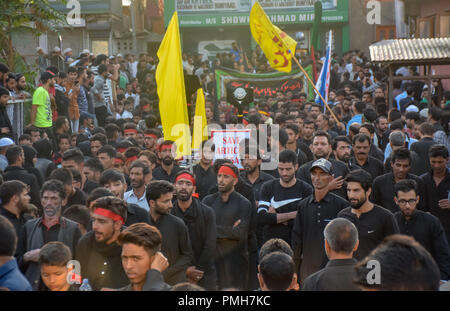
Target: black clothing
column 372, row 226
column 432, row 195
column 428, row 231
column 376, row 152
column 89, row 186
column 307, row 142
column 337, row 275
column 153, row 282
column 5, row 122
column 404, row 103
column 204, row 179
column 283, row 200
column 231, row 257
column 303, row 147
column 257, row 185
column 62, row 102
column 339, row 169
column 78, row 198
column 416, row 164
column 421, row 148
column 18, row 224
column 136, row 214
column 383, row 140
column 372, row 166
column 19, row 173
column 307, row 232
column 383, row 191
column 176, row 246
column 200, row 220
column 160, row 174
column 100, row 263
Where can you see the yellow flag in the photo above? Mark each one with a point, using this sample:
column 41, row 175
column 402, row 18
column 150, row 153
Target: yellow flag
column 171, row 91
column 276, row 45
column 199, row 120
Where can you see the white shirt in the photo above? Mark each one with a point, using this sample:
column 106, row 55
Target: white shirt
column 130, row 197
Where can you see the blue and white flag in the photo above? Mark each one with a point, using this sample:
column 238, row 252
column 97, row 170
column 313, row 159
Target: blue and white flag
column 323, row 83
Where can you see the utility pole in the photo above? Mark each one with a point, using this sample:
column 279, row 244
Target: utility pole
column 133, row 26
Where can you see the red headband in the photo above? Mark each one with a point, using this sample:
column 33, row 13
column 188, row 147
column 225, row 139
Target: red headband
column 131, row 159
column 186, row 176
column 121, row 150
column 130, row 131
column 227, row 171
column 163, row 147
column 146, row 106
column 109, row 214
column 151, row 135
column 118, row 161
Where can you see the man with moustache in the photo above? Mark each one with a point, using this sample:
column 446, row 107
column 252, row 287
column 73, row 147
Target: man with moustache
column 168, row 170
column 314, row 213
column 98, row 251
column 140, row 176
column 362, row 159
column 114, row 180
column 342, row 150
column 205, row 177
column 50, row 227
column 233, row 216
column 201, row 223
column 176, row 244
column 373, row 222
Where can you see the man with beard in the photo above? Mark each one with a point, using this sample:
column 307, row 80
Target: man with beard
column 314, row 213
column 140, row 175
column 176, row 245
column 98, row 251
column 373, row 222
column 50, row 227
column 321, row 148
column 201, row 223
column 383, row 186
column 205, row 176
column 114, row 181
column 14, row 197
column 279, row 199
column 233, row 217
column 41, row 110
column 362, row 159
column 168, row 170
column 423, row 227
column 342, row 150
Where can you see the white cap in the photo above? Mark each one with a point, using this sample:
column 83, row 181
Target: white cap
column 38, row 49
column 412, row 108
column 119, row 55
column 67, row 50
column 5, row 141
column 85, row 51
column 424, row 112
column 91, row 54
column 56, row 49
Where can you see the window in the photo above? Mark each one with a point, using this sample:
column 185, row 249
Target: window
column 385, row 32
column 100, row 47
column 426, row 27
column 444, row 25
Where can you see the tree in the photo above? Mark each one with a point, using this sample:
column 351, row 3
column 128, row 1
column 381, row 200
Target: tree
column 35, row 16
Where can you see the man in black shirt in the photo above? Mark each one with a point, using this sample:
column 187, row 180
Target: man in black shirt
column 321, row 148
column 279, row 199
column 200, row 220
column 437, row 185
column 373, row 222
column 314, row 213
column 233, row 217
column 205, row 177
column 383, row 186
column 74, row 158
column 341, row 241
column 176, row 245
column 74, row 195
column 168, row 170
column 423, row 227
column 362, row 159
column 422, row 147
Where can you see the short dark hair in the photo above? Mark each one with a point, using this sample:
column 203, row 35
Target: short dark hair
column 113, row 204
column 76, row 175
column 145, row 169
column 361, row 137
column 277, row 270
column 321, row 133
column 338, row 139
column 98, row 193
column 292, row 127
column 438, row 150
column 101, row 69
column 413, row 115
column 283, row 137
column 157, row 188
column 404, row 265
column 10, row 188
column 401, row 154
column 369, row 127
column 9, row 237
column 288, row 156
column 62, row 136
column 60, row 121
column 111, row 175
column 54, row 185
column 405, row 185
column 94, row 164
column 426, row 128
column 341, row 234
column 360, row 106
column 109, row 150
column 142, row 234
column 100, row 137
column 78, row 213
column 435, row 113
column 73, row 154
column 394, row 115
column 13, row 153
column 360, row 176
column 55, row 254
column 62, row 174
column 275, row 245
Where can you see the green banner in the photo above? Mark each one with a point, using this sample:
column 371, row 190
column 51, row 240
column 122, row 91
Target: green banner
column 264, row 85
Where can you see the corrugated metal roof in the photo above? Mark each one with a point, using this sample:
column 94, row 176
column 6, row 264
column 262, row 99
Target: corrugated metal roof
column 410, row 50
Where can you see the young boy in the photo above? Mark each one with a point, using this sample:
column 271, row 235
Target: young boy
column 63, row 145
column 53, row 259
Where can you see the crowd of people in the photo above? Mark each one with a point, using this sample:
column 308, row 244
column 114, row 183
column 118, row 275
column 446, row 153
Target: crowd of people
column 92, row 179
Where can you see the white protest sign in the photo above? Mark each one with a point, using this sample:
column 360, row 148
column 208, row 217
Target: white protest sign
column 227, row 144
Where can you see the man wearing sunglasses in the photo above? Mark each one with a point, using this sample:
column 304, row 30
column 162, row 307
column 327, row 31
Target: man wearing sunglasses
column 423, row 227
